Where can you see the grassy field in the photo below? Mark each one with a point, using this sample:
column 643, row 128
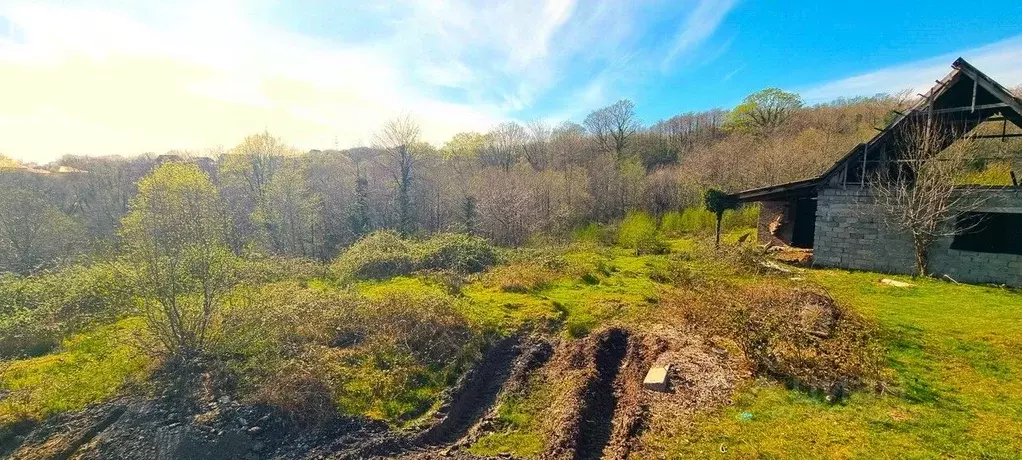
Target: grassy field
column 953, row 353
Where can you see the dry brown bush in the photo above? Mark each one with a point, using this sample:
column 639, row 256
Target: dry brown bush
column 798, row 335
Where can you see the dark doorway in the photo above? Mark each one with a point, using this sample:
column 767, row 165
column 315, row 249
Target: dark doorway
column 805, row 223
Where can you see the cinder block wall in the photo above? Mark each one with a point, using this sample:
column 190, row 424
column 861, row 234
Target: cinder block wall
column 850, row 233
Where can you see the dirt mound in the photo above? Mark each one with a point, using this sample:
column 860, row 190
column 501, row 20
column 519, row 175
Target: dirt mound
column 702, row 377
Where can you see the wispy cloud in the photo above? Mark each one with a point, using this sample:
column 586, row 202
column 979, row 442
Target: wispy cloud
column 123, row 78
column 699, row 26
column 1002, row 61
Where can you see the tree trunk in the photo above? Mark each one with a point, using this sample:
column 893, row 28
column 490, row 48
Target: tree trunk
column 922, row 257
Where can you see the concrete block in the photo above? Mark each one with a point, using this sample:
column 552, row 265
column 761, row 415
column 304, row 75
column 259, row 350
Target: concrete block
column 656, row 378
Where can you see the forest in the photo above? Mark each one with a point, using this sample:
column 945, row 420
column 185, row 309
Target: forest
column 511, row 184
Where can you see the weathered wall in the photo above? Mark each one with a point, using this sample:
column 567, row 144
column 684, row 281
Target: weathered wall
column 851, row 234
column 776, row 216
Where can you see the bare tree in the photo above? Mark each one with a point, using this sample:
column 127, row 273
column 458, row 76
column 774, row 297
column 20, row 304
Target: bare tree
column 915, row 190
column 537, row 147
column 396, row 140
column 613, row 126
column 506, row 145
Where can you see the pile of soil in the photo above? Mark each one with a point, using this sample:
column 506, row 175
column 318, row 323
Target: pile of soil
column 604, row 411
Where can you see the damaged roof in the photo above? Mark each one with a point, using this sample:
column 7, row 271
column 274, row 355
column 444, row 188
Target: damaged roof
column 966, row 93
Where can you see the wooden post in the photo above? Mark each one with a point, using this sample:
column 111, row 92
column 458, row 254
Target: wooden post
column 720, row 216
column 862, row 176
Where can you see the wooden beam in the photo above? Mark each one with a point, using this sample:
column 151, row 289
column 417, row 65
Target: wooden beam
column 974, row 86
column 999, row 105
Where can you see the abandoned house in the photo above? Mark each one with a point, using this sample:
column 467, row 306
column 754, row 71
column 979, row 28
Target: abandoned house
column 839, row 218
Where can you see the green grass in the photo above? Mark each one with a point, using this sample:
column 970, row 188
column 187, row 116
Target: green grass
column 87, row 368
column 954, row 355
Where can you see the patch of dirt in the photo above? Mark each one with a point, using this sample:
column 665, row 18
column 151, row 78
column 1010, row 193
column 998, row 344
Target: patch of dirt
column 604, row 411
column 194, row 418
column 474, row 395
column 470, row 406
column 703, row 376
column 585, row 415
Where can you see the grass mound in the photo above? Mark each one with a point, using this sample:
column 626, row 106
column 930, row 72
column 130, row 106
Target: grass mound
column 380, row 255
column 457, row 252
column 316, row 352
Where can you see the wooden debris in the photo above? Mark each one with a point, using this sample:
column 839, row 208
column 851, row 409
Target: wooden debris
column 895, row 283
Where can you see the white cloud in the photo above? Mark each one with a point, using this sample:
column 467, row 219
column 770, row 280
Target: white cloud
column 110, row 77
column 1002, row 61
column 101, row 82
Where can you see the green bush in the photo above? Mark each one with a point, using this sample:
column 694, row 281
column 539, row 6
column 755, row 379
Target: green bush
column 700, row 221
column 741, row 218
column 315, row 352
column 639, row 231
column 452, row 251
column 379, row 255
column 38, row 311
column 589, row 233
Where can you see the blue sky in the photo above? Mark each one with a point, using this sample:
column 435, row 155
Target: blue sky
column 118, row 77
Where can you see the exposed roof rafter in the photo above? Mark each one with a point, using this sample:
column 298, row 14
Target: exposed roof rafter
column 996, row 99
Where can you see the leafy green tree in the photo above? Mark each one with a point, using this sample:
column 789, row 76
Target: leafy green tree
column 464, row 145
column 176, row 235
column 292, row 212
column 765, row 111
column 33, row 232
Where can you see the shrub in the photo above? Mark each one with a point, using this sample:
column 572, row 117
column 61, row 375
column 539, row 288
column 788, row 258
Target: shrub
column 689, row 221
column 452, row 251
column 591, row 233
column 37, row 312
column 313, row 352
column 379, row 255
column 639, row 231
column 741, row 218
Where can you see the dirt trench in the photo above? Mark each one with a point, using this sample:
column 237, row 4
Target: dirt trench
column 599, row 396
column 476, row 394
column 502, row 370
column 605, row 407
